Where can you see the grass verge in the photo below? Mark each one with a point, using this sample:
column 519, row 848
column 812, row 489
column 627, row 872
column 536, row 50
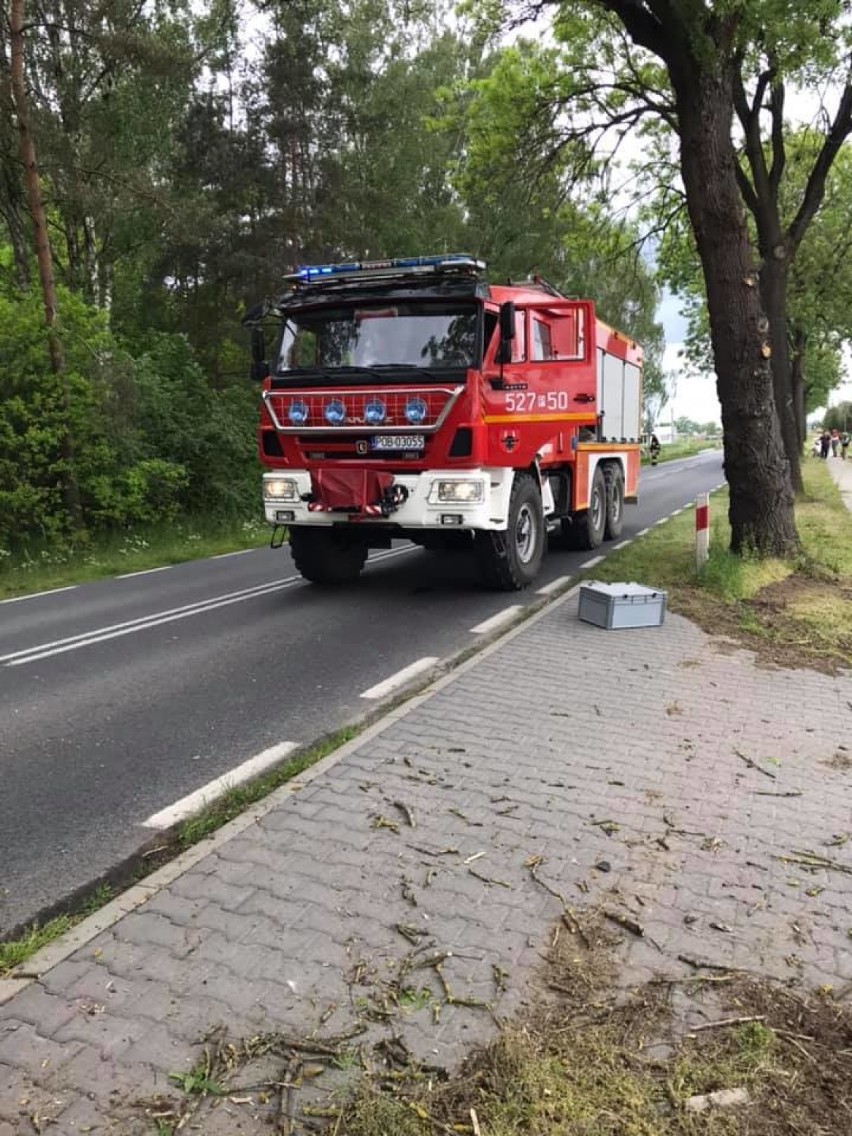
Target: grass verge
column 41, row 567
column 688, row 448
column 790, row 613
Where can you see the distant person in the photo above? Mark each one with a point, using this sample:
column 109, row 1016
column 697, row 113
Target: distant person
column 835, row 441
column 844, row 444
column 654, row 449
column 824, row 445
column 817, row 446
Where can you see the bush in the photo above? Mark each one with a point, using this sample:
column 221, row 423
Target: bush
column 150, row 438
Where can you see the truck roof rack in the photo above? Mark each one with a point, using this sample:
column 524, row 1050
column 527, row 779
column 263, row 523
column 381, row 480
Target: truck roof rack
column 540, row 284
column 398, row 266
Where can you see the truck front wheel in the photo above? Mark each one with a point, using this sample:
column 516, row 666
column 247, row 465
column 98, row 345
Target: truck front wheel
column 325, row 556
column 510, row 560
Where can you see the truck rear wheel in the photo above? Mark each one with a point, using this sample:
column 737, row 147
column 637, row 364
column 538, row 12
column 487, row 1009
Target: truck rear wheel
column 325, row 556
column 511, row 560
column 614, row 502
column 586, row 529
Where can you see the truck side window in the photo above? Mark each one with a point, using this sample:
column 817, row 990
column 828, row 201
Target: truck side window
column 490, row 327
column 541, row 345
column 519, row 343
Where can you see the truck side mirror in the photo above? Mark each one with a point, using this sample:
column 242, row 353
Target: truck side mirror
column 507, row 321
column 507, row 332
column 259, row 365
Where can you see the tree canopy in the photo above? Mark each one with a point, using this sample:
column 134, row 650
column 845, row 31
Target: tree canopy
column 189, row 158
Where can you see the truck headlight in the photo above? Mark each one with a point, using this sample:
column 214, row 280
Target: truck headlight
column 281, row 488
column 455, row 492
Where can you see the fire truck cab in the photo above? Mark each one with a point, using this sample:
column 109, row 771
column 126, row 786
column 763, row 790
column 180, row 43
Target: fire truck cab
column 409, row 398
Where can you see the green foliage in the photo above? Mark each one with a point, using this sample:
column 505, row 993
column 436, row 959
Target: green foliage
column 151, row 440
column 838, row 417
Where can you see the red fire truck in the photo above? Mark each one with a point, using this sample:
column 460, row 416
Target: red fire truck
column 409, row 398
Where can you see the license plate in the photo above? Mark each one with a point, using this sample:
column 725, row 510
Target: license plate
column 397, row 442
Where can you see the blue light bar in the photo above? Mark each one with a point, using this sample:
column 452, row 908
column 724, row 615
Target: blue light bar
column 394, row 266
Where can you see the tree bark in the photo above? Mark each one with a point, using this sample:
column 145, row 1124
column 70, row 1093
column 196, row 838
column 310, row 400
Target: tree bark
column 797, row 378
column 774, row 275
column 44, row 256
column 761, row 494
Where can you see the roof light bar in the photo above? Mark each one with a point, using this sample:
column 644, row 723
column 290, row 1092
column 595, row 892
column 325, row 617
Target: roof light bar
column 394, row 266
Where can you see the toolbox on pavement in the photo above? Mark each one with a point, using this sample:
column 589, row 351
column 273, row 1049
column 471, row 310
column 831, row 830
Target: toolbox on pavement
column 616, row 606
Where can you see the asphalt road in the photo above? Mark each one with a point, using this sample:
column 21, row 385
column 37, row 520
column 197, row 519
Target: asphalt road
column 121, row 697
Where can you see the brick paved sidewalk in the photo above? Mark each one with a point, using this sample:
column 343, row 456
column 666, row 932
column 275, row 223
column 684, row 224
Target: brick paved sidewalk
column 659, row 774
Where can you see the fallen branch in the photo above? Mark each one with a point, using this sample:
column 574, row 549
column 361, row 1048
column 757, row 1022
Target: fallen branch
column 753, row 764
column 728, row 1022
column 631, row 925
column 406, row 812
column 810, row 859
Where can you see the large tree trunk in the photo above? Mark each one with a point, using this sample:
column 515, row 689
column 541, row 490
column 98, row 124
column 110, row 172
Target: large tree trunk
column 797, row 378
column 44, row 257
column 761, row 493
column 774, row 274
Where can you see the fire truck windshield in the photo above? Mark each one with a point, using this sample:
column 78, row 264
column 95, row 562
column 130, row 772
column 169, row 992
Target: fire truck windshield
column 422, row 335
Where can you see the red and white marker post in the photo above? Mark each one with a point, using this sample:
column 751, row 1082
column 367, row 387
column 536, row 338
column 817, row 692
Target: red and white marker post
column 702, row 528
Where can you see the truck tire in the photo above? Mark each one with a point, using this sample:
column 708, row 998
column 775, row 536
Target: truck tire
column 511, row 560
column 586, row 529
column 614, row 502
column 324, row 556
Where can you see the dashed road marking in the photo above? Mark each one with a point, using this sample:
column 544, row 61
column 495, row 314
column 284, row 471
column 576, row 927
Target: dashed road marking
column 504, row 616
column 553, row 586
column 621, row 544
column 38, row 595
column 400, row 678
column 643, row 532
column 144, row 572
column 193, row 803
column 591, row 563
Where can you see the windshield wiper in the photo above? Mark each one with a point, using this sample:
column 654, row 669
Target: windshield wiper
column 297, row 373
column 407, row 367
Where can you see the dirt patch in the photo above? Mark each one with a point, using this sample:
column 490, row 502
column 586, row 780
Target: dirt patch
column 586, row 1057
column 775, row 624
column 840, row 760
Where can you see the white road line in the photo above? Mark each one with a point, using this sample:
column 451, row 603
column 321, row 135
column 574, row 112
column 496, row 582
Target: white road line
column 391, row 553
column 621, row 544
column 553, row 586
column 643, row 532
column 193, row 803
column 144, row 572
column 678, row 512
column 591, row 563
column 661, row 521
column 59, row 646
column 155, row 619
column 38, row 595
column 239, row 552
column 400, row 678
column 497, row 620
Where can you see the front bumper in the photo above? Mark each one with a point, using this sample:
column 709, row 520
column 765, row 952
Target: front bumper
column 422, row 508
